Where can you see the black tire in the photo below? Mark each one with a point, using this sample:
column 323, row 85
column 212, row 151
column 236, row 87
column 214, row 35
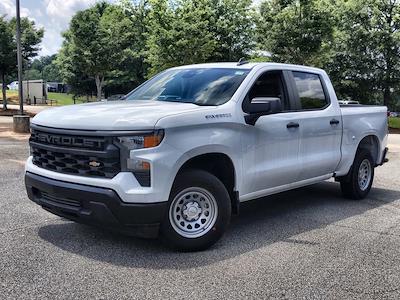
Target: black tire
column 184, row 184
column 350, row 184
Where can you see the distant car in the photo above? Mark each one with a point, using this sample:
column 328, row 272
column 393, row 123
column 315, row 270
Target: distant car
column 51, row 88
column 347, row 102
column 13, row 86
column 116, row 97
column 55, row 87
column 394, row 114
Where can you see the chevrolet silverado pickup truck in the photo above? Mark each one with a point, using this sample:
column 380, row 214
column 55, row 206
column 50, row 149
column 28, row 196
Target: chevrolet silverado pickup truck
column 180, row 153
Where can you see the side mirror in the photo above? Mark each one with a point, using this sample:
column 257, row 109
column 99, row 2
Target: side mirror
column 262, row 106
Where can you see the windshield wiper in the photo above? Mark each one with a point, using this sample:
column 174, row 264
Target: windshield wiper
column 169, row 97
column 204, row 104
column 175, row 98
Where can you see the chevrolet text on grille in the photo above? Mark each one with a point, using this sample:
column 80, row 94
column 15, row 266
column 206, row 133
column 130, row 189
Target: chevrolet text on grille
column 68, row 141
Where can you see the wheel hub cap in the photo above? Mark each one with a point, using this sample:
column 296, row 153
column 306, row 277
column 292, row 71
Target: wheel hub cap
column 193, row 212
column 364, row 174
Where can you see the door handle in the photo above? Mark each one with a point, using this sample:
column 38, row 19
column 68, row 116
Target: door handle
column 334, row 122
column 292, row 125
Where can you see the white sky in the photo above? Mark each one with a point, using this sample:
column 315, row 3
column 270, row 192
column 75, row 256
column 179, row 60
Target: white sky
column 52, row 15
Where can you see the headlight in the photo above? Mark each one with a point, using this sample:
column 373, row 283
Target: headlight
column 140, row 168
column 147, row 140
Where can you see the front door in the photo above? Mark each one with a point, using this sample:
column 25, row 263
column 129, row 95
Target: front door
column 271, row 147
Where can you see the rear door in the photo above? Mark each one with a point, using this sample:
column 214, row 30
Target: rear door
column 320, row 126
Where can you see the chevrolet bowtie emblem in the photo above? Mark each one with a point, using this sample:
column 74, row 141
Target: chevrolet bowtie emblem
column 94, row 164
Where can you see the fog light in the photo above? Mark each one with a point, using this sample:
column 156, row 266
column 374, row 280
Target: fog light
column 141, row 171
column 137, row 165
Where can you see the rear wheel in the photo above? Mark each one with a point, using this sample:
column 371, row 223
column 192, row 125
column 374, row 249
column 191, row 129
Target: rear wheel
column 357, row 184
column 199, row 211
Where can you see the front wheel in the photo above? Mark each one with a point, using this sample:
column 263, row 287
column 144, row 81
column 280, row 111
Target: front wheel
column 199, row 211
column 358, row 182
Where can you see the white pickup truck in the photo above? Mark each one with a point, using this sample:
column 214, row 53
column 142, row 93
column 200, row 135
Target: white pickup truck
column 180, row 153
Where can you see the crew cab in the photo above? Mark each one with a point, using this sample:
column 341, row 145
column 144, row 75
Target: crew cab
column 182, row 151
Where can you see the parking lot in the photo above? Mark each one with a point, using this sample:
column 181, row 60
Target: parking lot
column 308, row 243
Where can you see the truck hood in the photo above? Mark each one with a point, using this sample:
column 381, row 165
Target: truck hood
column 116, row 115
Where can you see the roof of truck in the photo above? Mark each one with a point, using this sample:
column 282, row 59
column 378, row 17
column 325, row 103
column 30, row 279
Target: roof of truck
column 248, row 66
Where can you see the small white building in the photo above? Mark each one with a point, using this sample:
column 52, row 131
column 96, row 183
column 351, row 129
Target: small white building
column 34, row 91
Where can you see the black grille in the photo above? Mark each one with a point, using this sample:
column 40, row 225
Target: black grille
column 57, row 201
column 84, row 156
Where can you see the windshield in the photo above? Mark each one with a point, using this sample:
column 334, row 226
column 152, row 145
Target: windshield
column 213, row 86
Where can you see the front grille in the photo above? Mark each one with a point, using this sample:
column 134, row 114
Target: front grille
column 83, row 156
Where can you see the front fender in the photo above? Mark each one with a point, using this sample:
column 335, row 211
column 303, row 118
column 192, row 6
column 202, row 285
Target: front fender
column 210, row 149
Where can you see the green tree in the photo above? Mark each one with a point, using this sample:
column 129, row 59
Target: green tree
column 365, row 64
column 179, row 34
column 71, row 68
column 32, row 74
column 51, row 72
column 232, row 25
column 189, row 31
column 295, row 31
column 130, row 29
column 95, row 44
column 121, row 44
column 44, row 68
column 7, row 55
column 41, row 62
column 30, row 40
column 31, row 37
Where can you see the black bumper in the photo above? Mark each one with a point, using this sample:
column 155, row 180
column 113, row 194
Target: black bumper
column 95, row 206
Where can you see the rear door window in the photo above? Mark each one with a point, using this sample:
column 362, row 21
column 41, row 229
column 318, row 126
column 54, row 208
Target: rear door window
column 310, row 90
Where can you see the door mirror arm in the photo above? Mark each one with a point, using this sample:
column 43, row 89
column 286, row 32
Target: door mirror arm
column 251, row 119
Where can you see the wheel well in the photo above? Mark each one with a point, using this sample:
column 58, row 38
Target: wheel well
column 221, row 166
column 371, row 144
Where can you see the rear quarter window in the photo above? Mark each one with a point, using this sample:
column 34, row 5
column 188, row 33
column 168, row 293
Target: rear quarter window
column 310, row 90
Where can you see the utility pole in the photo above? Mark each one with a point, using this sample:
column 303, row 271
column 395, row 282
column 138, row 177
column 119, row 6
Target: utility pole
column 21, row 122
column 19, row 58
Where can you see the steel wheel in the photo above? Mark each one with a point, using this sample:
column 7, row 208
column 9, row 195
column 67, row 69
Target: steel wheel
column 193, row 212
column 357, row 183
column 364, row 174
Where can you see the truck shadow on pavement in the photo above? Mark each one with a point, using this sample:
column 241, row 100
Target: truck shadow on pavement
column 278, row 218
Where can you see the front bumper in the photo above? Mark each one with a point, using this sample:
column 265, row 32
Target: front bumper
column 95, row 206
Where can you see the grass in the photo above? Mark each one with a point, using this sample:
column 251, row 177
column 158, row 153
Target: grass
column 12, row 93
column 60, row 98
column 64, row 99
column 394, row 122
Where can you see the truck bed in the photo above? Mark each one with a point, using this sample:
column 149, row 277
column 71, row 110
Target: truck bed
column 358, row 122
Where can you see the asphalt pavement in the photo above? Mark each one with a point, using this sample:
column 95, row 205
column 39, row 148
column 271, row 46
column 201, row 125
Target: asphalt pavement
column 309, row 243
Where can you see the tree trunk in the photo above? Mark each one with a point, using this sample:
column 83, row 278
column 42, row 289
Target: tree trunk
column 99, row 85
column 386, row 95
column 3, row 89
